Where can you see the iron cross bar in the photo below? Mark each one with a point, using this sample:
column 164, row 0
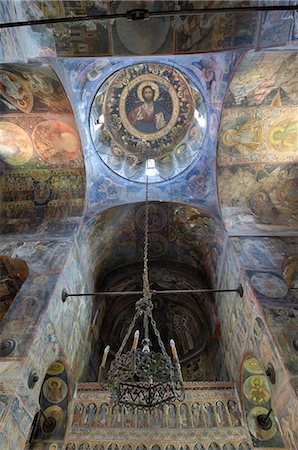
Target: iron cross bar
column 142, row 14
column 239, row 290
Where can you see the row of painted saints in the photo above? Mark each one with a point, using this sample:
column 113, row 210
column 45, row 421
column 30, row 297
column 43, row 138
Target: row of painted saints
column 206, row 415
column 212, row 446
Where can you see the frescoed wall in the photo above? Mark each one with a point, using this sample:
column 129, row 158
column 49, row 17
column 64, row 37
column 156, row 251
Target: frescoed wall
column 209, row 418
column 257, row 145
column 49, row 429
column 41, row 160
column 258, row 324
column 173, row 34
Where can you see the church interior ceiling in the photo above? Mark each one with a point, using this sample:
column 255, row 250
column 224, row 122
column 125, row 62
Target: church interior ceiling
column 173, row 34
column 74, row 99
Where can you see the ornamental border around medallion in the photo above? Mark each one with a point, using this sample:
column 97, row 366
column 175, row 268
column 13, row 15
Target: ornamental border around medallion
column 168, row 127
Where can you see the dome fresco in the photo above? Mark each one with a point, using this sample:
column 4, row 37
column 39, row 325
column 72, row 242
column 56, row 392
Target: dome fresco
column 205, row 104
column 148, row 119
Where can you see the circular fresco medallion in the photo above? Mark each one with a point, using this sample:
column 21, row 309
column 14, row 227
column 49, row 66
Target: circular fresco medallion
column 57, row 414
column 158, row 245
column 283, row 135
column 252, row 365
column 54, row 389
column 56, row 368
column 256, row 389
column 269, row 285
column 256, row 431
column 144, row 102
column 56, row 142
column 142, row 119
column 15, row 144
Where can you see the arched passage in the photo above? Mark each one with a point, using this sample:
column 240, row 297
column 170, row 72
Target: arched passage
column 185, row 250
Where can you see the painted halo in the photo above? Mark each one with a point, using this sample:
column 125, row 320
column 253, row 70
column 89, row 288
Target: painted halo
column 148, row 111
column 54, row 390
column 256, row 389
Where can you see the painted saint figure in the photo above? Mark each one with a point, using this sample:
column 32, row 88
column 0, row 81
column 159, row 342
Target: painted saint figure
column 149, row 115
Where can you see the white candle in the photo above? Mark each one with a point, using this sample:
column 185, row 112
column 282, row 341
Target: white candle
column 104, row 356
column 180, row 373
column 135, row 339
column 174, row 351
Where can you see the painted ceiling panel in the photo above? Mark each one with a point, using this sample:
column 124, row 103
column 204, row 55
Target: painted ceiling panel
column 257, row 147
column 41, row 162
column 209, row 74
column 178, row 233
column 173, row 34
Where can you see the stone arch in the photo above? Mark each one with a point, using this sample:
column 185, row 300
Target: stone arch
column 193, row 235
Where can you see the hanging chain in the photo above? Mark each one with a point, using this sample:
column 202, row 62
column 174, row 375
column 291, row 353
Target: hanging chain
column 129, row 332
column 146, row 286
column 157, row 334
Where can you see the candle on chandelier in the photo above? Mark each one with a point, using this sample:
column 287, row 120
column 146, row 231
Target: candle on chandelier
column 135, row 340
column 180, row 376
column 104, row 356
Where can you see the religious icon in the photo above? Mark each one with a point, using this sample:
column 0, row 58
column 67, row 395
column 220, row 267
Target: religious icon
column 256, row 389
column 54, row 389
column 149, row 114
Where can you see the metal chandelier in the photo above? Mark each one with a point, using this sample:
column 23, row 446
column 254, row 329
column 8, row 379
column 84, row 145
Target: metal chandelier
column 142, row 378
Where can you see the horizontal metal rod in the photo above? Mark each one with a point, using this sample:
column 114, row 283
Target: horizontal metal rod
column 65, row 294
column 141, row 14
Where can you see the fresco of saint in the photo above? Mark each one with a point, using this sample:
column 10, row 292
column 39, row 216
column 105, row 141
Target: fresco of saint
column 149, row 115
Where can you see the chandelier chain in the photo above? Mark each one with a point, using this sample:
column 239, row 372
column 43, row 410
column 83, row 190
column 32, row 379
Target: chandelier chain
column 157, row 334
column 129, row 332
column 146, row 286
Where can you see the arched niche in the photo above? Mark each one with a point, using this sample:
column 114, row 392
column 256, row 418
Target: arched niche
column 178, row 234
column 13, row 273
column 188, row 319
column 256, row 399
column 49, row 425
